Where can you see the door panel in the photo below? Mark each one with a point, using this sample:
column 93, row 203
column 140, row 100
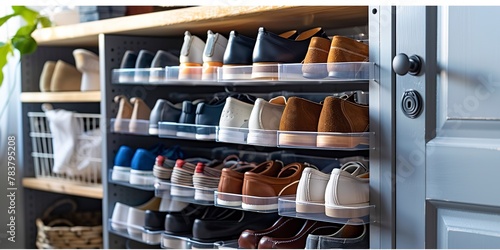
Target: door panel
column 453, row 148
column 471, row 228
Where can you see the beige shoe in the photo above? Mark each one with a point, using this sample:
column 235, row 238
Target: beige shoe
column 124, row 112
column 265, row 120
column 139, row 121
column 46, row 76
column 65, row 77
column 87, row 62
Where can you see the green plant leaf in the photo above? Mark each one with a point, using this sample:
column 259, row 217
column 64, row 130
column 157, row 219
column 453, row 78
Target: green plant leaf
column 6, row 18
column 45, row 21
column 29, row 15
column 26, row 30
column 5, row 50
column 25, row 44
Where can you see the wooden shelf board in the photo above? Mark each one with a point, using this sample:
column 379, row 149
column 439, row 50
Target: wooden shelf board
column 63, row 187
column 245, row 19
column 69, row 96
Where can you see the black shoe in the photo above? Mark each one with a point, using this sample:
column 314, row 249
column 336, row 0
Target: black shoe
column 239, row 50
column 181, row 223
column 154, row 220
column 224, row 224
column 271, row 48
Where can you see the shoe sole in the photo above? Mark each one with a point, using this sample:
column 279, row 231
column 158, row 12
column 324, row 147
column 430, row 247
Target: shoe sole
column 120, row 173
column 203, row 195
column 347, row 211
column 151, row 237
column 205, row 136
column 263, row 138
column 186, row 135
column 299, row 139
column 190, row 71
column 309, row 207
column 153, row 131
column 340, row 141
column 228, row 203
column 141, row 177
column 183, row 192
column 272, row 206
column 236, row 72
column 265, row 71
column 210, row 71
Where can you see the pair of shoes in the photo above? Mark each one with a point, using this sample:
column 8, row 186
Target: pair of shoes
column 322, row 54
column 143, row 60
column 182, row 176
column 343, row 193
column 336, row 115
column 226, row 224
column 285, row 233
column 239, row 52
column 257, row 188
column 136, row 166
column 271, row 49
column 132, row 116
column 60, row 76
column 132, row 219
column 166, row 111
column 196, row 54
column 347, row 237
column 235, row 116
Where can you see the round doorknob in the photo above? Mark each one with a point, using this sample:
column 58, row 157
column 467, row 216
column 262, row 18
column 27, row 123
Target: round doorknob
column 402, row 64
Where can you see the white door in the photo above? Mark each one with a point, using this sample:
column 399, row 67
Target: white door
column 448, row 156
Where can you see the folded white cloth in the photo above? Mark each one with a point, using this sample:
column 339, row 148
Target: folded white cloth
column 65, row 129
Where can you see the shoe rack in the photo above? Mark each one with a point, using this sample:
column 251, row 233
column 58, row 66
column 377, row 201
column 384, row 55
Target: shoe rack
column 164, row 30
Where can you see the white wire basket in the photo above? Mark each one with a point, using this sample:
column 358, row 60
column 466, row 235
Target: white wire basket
column 86, row 161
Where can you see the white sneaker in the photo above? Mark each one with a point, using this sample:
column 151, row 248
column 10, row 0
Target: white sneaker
column 311, row 191
column 191, row 57
column 233, row 123
column 213, row 55
column 347, row 192
column 265, row 121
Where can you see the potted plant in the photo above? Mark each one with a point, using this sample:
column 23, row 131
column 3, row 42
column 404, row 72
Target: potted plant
column 22, row 41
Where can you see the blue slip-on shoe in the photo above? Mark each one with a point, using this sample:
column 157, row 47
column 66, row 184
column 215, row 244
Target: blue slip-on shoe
column 141, row 172
column 122, row 163
column 144, row 60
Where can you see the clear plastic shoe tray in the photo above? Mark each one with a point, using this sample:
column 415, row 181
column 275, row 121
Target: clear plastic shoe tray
column 246, row 75
column 127, row 126
column 187, row 131
column 135, row 232
column 247, row 203
column 348, row 71
column 184, row 193
column 287, row 206
column 186, row 242
column 324, row 140
column 230, row 244
column 177, row 75
column 118, row 177
column 258, row 137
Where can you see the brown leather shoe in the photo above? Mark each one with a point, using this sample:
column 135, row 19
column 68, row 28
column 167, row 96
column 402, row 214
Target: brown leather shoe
column 299, row 115
column 344, row 49
column 231, row 180
column 267, row 188
column 342, row 116
column 314, row 64
column 284, row 227
column 298, row 241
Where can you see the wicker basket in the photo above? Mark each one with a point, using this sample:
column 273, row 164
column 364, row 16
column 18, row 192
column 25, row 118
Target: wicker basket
column 82, row 230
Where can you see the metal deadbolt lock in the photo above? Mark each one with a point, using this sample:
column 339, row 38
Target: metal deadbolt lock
column 402, row 64
column 411, row 103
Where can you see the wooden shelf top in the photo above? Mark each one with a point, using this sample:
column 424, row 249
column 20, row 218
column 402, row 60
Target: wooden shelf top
column 69, row 96
column 223, row 19
column 63, row 187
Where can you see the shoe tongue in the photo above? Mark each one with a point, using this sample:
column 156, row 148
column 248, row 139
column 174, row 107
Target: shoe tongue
column 355, row 168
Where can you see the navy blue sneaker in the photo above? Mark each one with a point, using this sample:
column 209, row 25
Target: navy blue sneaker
column 122, row 163
column 188, row 116
column 164, row 111
column 128, row 60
